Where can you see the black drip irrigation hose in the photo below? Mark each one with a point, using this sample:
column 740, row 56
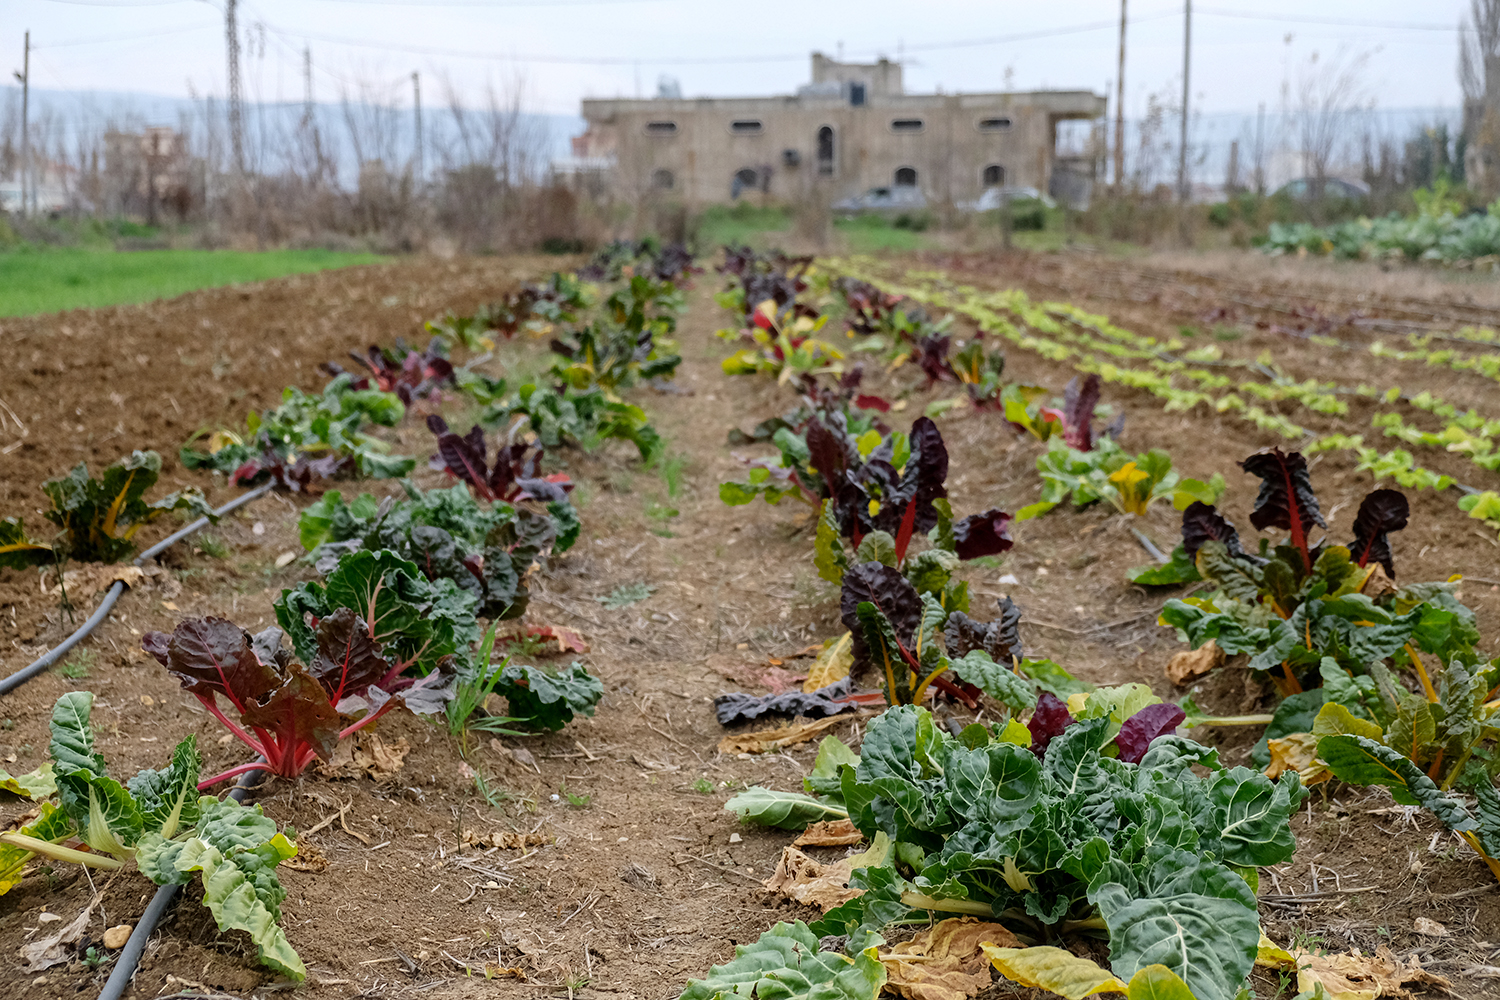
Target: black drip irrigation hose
column 130, row 955
column 47, row 659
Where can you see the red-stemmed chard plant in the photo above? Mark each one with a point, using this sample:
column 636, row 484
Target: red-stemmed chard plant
column 290, row 714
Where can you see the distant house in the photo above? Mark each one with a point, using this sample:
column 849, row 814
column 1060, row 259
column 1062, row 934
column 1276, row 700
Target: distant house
column 149, row 170
column 851, row 129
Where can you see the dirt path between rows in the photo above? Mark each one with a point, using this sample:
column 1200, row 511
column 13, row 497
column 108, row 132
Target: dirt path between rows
column 644, row 880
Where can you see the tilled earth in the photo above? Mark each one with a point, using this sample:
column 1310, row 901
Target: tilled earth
column 629, row 877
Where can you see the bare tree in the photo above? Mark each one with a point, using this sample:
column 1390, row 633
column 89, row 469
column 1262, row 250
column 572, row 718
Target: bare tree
column 1327, row 96
column 1479, row 74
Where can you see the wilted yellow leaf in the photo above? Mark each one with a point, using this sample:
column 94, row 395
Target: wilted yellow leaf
column 1297, row 752
column 1054, row 969
column 832, row 664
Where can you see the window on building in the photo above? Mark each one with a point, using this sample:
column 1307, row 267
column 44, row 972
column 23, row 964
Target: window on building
column 661, row 128
column 745, row 179
column 906, row 125
column 662, row 180
column 906, row 177
column 825, row 151
column 745, row 126
column 857, row 95
column 994, row 176
column 994, row 124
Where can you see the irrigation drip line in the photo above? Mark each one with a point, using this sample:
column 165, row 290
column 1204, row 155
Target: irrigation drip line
column 130, row 955
column 47, row 659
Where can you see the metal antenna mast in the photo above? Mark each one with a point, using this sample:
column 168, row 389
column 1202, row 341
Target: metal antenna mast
column 236, row 131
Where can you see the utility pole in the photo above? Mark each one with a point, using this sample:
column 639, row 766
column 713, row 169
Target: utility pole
column 307, row 91
column 1260, row 151
column 1120, row 109
column 416, row 95
column 1187, row 51
column 25, row 77
column 236, row 131
column 1184, row 225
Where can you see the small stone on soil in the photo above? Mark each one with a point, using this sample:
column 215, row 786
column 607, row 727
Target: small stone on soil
column 116, row 936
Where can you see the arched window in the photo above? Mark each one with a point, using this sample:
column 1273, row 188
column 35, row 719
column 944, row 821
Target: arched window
column 745, row 179
column 662, row 180
column 825, row 151
column 994, row 176
column 906, row 177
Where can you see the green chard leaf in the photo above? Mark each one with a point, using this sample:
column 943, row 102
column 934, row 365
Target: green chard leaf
column 787, row 810
column 786, row 964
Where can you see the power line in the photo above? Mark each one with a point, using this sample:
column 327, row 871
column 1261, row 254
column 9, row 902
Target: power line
column 1347, row 22
column 97, row 39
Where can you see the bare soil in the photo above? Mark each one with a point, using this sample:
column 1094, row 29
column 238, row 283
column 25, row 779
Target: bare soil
column 644, row 880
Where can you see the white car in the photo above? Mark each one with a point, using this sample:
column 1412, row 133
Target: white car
column 903, row 198
column 993, row 197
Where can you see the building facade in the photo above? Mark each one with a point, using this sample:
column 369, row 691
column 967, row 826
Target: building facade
column 853, row 128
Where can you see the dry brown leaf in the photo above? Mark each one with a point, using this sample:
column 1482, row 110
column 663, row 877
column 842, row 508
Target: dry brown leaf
column 55, row 949
column 307, row 859
column 945, row 962
column 1377, row 584
column 1351, row 976
column 367, row 752
column 1190, row 664
column 810, row 882
column 767, row 740
column 1297, row 752
column 832, row 665
column 829, row 833
column 86, row 581
column 505, row 839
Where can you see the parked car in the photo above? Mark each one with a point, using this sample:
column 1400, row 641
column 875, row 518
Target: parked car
column 1302, row 189
column 883, row 199
column 994, row 196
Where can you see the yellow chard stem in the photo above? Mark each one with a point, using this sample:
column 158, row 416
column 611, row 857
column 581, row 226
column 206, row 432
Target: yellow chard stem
column 60, row 853
column 1421, row 668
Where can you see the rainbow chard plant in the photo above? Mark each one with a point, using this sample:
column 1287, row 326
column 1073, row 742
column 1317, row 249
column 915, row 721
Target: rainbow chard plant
column 289, row 713
column 1307, row 610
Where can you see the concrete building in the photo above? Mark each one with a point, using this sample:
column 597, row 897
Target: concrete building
column 853, row 128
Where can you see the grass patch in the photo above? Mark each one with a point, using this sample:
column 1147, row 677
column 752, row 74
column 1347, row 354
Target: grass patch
column 869, row 233
column 739, row 223
column 39, row 281
column 79, row 664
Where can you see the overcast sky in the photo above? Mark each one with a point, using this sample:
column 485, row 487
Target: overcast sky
column 564, row 50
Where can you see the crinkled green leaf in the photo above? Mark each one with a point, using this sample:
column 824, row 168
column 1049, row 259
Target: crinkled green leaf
column 38, row 784
column 1180, row 569
column 1252, row 815
column 787, row 810
column 232, row 897
column 52, row 824
column 168, row 799
column 548, row 698
column 998, row 681
column 1362, row 761
column 786, row 964
column 824, row 779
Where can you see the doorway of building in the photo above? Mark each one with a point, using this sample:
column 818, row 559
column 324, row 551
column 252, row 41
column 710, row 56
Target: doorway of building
column 825, row 151
column 906, row 176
